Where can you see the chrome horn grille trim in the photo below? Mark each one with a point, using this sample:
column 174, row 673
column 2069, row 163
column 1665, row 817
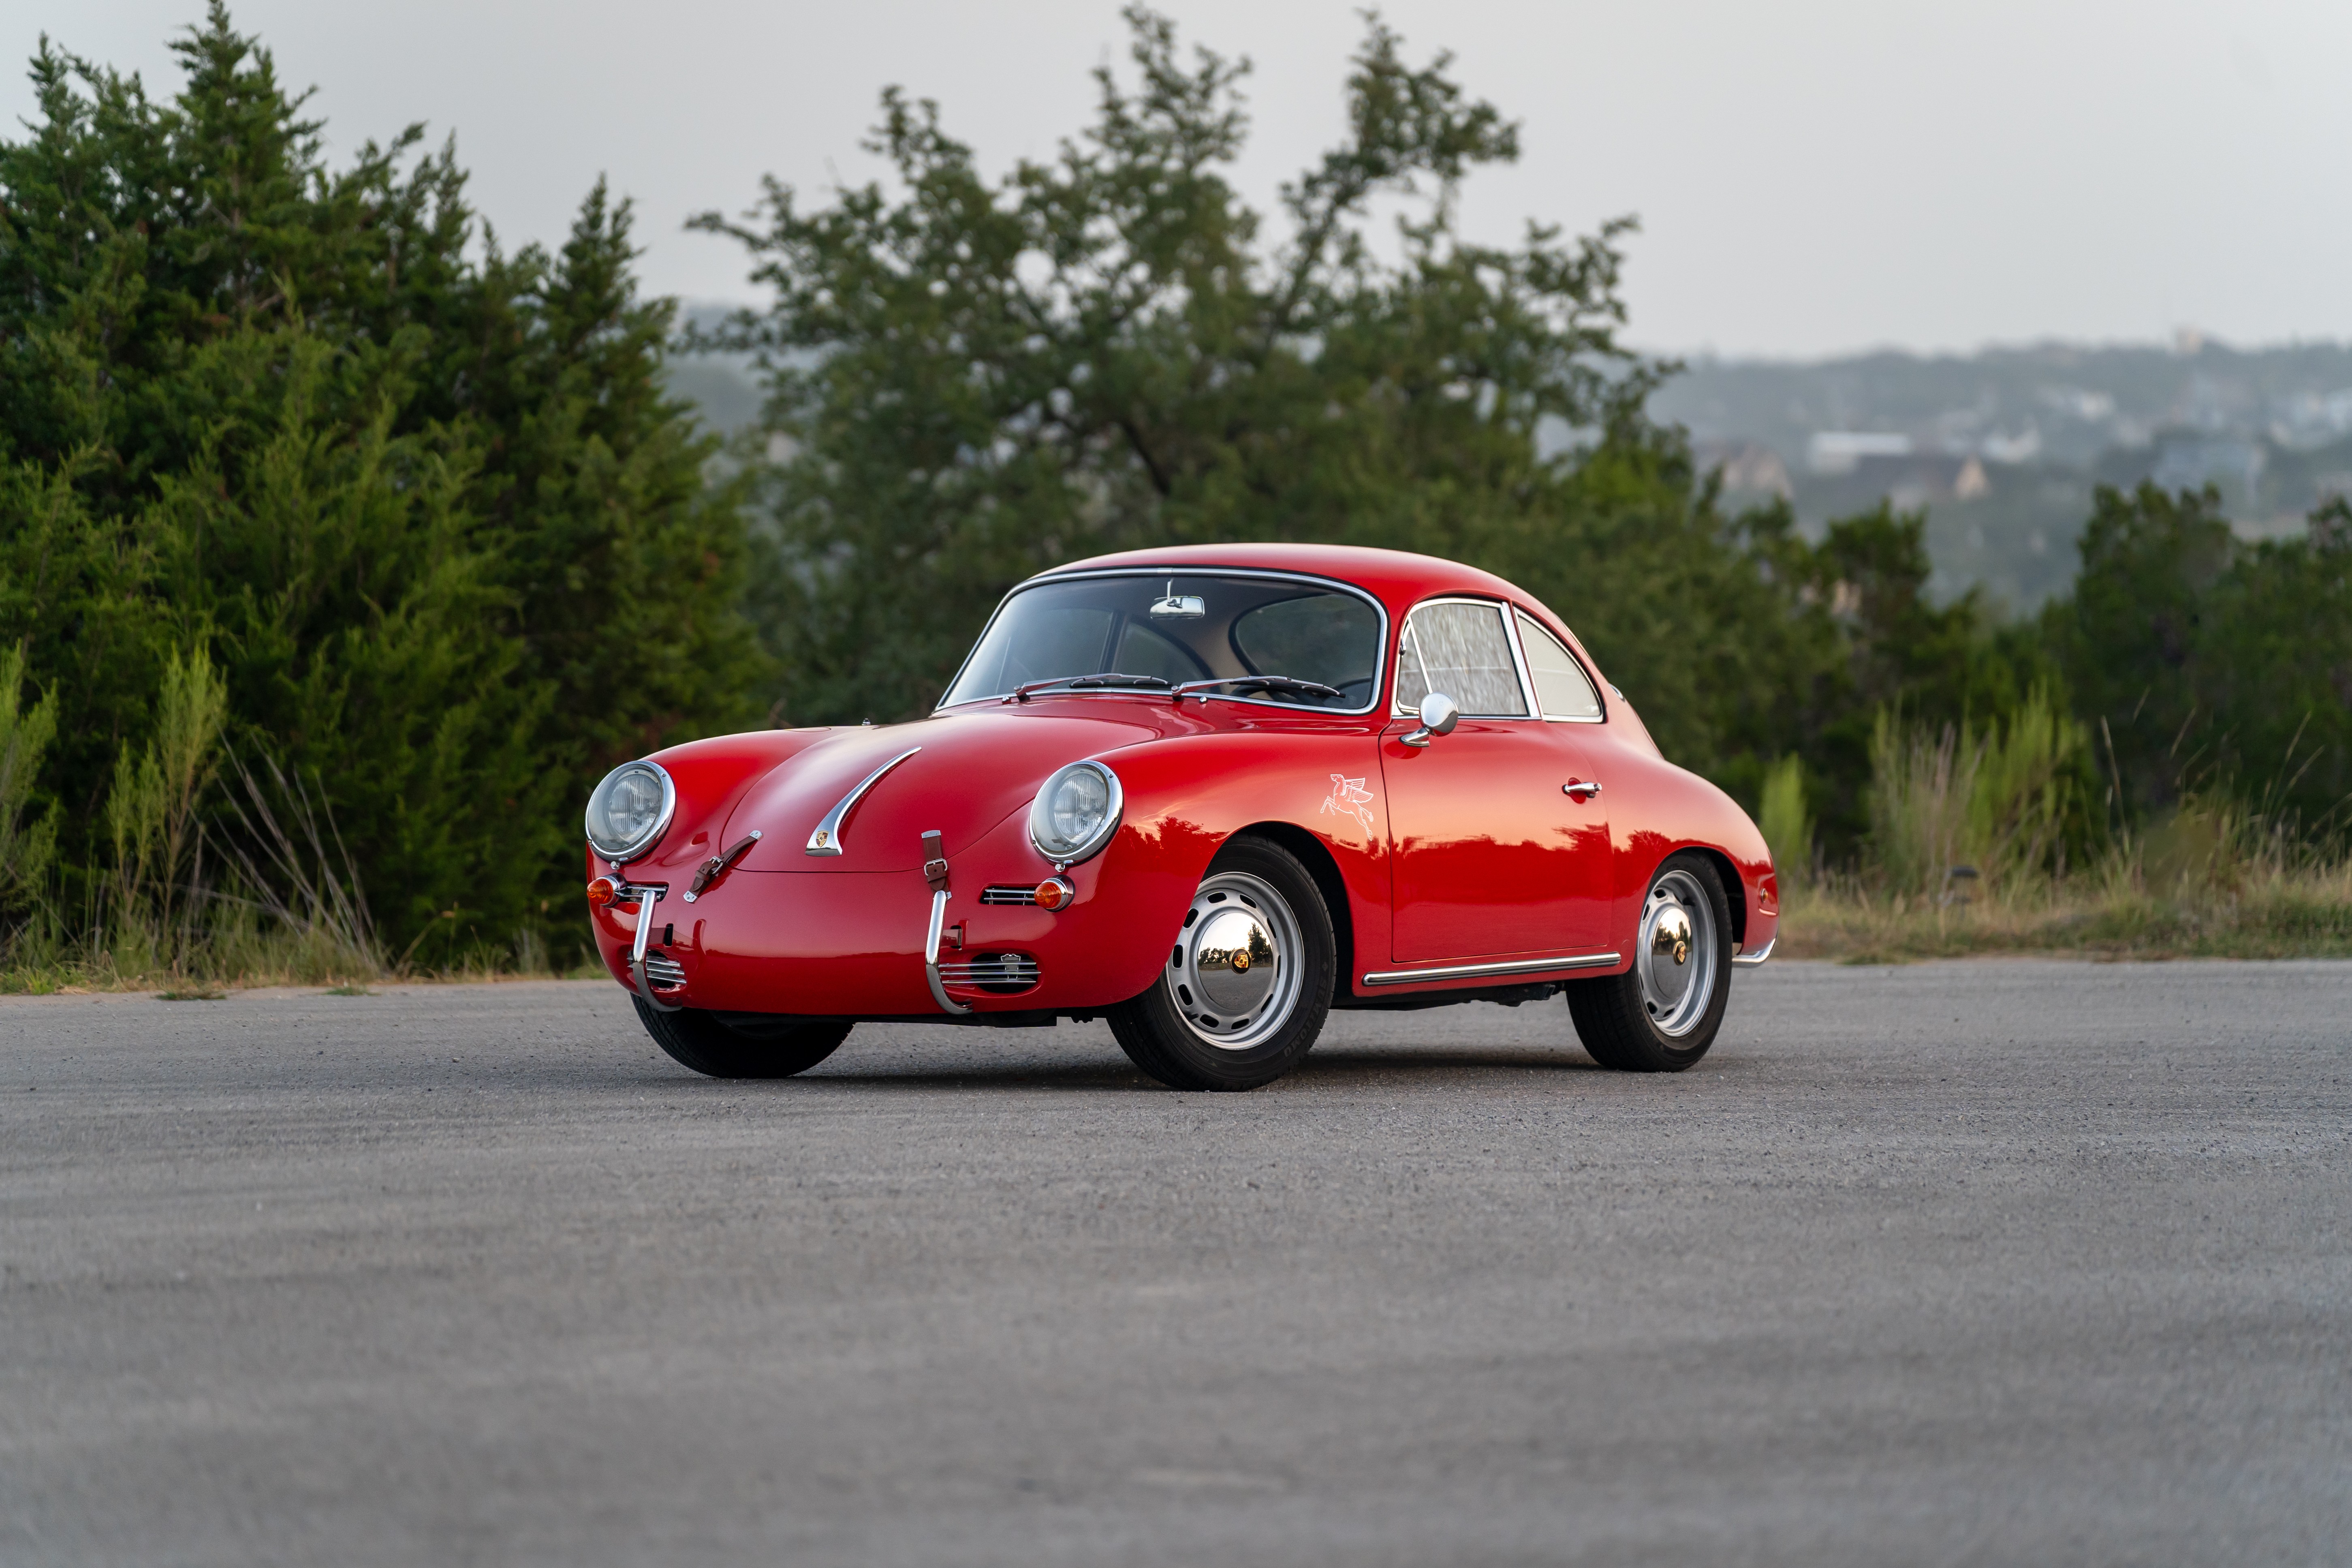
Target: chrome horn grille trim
column 665, row 971
column 992, row 972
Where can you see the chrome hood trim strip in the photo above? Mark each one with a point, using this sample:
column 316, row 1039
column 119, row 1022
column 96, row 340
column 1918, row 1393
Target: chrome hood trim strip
column 826, row 840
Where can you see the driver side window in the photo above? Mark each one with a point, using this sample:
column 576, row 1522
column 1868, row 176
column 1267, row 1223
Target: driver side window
column 1464, row 651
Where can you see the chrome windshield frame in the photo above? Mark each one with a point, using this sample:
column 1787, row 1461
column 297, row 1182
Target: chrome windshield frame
column 1380, row 674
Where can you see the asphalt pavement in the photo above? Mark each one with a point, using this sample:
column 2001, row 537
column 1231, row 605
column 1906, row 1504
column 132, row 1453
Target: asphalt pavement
column 1997, row 1262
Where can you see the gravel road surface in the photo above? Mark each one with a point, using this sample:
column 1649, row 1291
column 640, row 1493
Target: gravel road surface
column 1994, row 1262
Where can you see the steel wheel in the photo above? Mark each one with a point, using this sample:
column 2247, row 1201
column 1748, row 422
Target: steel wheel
column 1234, row 975
column 1249, row 976
column 1677, row 958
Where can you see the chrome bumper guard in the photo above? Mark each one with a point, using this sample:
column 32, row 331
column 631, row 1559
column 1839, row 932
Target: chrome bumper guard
column 647, row 896
column 1750, row 960
column 935, row 872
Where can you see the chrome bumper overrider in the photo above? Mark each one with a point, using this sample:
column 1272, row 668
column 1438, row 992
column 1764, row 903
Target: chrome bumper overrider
column 935, row 872
column 1750, row 960
column 647, row 896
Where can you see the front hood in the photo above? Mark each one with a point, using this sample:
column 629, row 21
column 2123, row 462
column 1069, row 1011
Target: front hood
column 973, row 769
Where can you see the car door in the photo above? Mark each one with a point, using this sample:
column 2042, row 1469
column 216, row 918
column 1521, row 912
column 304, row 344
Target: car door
column 1490, row 858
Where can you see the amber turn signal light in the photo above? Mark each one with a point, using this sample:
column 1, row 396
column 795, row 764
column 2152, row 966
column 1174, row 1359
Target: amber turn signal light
column 602, row 892
column 1054, row 892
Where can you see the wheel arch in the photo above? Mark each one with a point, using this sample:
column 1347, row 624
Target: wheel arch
column 1316, row 855
column 1735, row 891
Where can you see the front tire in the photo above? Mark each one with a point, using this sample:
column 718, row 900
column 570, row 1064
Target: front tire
column 743, row 1044
column 1248, row 982
column 1662, row 1014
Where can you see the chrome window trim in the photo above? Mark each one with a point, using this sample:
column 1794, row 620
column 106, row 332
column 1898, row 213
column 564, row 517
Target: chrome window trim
column 1259, row 573
column 1600, row 718
column 1510, row 635
column 645, row 845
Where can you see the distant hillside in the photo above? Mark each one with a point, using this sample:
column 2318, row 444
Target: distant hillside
column 2002, row 448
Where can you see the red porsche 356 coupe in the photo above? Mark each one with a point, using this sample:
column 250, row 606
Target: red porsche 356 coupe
column 1207, row 794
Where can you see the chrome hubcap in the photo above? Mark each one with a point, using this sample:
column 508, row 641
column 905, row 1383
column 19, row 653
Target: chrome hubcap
column 1677, row 958
column 1233, row 974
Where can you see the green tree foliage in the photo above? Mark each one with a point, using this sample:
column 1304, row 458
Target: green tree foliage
column 983, row 379
column 428, row 505
column 980, row 379
column 2212, row 664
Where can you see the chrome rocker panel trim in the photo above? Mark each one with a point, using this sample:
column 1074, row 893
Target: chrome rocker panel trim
column 1750, row 960
column 826, row 840
column 1472, row 971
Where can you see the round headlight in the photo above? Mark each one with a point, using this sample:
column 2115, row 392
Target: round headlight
column 1076, row 813
column 630, row 810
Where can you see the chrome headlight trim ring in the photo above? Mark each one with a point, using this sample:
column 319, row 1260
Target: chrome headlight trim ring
column 1057, row 851
column 620, row 853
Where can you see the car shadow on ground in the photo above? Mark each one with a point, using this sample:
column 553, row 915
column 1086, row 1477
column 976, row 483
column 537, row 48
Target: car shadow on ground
column 1344, row 1067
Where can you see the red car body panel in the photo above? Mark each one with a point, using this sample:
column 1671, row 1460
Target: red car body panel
column 1467, row 850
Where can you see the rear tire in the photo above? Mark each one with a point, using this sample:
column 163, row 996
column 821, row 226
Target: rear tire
column 747, row 1045
column 1662, row 1014
column 1248, row 982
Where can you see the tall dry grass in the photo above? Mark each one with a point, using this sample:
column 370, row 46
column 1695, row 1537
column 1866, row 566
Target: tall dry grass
column 1967, row 855
column 222, row 871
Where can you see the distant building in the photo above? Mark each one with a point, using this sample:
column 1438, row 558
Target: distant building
column 1842, row 451
column 2192, row 462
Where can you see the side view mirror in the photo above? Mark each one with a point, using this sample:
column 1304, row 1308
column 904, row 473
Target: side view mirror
column 1438, row 717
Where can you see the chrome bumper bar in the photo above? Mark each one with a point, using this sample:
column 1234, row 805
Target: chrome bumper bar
column 1750, row 960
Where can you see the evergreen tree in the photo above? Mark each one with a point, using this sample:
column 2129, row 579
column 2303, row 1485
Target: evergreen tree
column 427, row 504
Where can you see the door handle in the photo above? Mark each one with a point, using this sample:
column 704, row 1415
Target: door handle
column 1579, row 789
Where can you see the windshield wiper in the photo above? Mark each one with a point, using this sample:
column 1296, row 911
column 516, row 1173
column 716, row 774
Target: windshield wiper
column 1110, row 680
column 1289, row 683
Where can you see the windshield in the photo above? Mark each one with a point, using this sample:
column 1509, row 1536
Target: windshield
column 1180, row 627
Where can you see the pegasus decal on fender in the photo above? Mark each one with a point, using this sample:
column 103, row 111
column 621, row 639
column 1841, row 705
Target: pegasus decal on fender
column 1348, row 798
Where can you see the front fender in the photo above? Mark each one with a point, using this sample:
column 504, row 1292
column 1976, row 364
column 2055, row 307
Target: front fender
column 710, row 777
column 1187, row 795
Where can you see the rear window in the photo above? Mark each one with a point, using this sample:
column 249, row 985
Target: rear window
column 1562, row 689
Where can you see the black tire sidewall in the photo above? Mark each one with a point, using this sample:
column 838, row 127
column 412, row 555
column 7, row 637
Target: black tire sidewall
column 694, row 1040
column 1610, row 1015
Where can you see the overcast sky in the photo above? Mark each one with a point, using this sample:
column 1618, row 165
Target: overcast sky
column 1812, row 176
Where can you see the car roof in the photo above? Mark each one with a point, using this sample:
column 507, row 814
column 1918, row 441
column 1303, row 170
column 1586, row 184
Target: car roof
column 1398, row 578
